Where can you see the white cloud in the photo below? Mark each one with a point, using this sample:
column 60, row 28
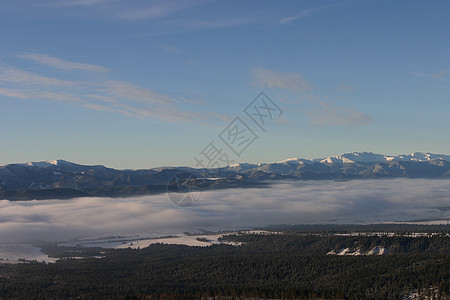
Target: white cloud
column 440, row 74
column 217, row 23
column 305, row 13
column 17, row 76
column 79, row 2
column 265, row 78
column 131, row 92
column 61, row 64
column 158, row 9
column 170, row 49
column 338, row 116
column 34, row 94
column 286, row 203
column 132, row 10
column 100, row 94
column 168, row 16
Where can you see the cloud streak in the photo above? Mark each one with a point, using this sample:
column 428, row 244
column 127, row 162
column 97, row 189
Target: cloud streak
column 99, row 94
column 328, row 114
column 292, row 82
column 62, row 64
column 441, row 75
column 324, row 114
column 161, row 17
column 170, row 49
column 24, row 78
column 159, row 9
column 79, row 2
column 131, row 10
column 305, row 13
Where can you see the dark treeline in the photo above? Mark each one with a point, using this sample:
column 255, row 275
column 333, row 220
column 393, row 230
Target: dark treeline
column 288, row 266
column 345, row 228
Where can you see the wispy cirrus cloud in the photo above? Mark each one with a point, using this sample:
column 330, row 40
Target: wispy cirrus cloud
column 217, row 23
column 332, row 115
column 158, row 9
column 18, row 76
column 36, row 94
column 170, row 49
column 292, row 82
column 134, row 93
column 306, row 12
column 324, row 114
column 168, row 16
column 132, row 9
column 78, row 2
column 441, row 75
column 62, row 64
column 107, row 95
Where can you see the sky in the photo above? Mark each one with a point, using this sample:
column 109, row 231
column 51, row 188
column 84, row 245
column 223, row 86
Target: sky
column 141, row 84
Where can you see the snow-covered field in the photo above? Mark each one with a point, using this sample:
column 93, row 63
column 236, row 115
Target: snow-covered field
column 379, row 250
column 138, row 242
column 202, row 240
column 19, row 252
column 14, row 253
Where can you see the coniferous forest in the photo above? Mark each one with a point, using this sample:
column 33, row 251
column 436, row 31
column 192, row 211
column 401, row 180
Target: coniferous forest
column 292, row 264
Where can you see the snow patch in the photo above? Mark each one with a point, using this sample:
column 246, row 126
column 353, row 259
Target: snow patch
column 378, row 250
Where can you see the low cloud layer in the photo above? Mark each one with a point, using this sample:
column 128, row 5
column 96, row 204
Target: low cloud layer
column 286, row 203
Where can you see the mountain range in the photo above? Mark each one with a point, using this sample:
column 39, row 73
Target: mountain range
column 59, row 179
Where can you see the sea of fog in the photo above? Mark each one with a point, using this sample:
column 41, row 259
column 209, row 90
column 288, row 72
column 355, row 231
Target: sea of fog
column 296, row 202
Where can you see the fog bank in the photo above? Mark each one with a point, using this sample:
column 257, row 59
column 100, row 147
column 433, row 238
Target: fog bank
column 299, row 202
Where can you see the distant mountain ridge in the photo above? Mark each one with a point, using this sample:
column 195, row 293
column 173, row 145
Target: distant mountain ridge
column 355, row 157
column 63, row 179
column 351, row 158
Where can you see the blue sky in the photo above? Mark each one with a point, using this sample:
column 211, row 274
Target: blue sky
column 140, row 84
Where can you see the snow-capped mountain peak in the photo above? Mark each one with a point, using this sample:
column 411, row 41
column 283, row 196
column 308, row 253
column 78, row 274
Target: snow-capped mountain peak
column 288, row 160
column 354, row 157
column 45, row 163
column 97, row 180
column 420, row 156
column 369, row 157
column 294, row 160
column 345, row 158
